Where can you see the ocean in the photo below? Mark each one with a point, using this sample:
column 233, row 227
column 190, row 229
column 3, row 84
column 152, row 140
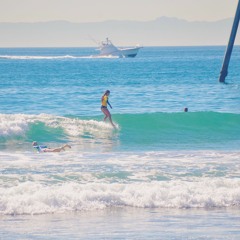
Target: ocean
column 161, row 174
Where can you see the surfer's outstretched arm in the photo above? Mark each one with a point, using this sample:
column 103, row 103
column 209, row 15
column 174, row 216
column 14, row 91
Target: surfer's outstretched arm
column 109, row 104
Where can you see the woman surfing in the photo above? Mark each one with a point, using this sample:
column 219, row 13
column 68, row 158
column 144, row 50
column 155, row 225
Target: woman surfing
column 104, row 108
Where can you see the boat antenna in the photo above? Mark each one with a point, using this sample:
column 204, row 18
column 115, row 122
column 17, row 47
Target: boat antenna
column 94, row 40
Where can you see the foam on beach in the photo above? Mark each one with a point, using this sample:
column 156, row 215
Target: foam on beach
column 35, row 198
column 79, row 181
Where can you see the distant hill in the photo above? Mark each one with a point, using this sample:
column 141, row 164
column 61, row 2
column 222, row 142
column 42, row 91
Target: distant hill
column 163, row 31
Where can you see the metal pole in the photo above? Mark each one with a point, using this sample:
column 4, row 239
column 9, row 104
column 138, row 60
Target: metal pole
column 224, row 71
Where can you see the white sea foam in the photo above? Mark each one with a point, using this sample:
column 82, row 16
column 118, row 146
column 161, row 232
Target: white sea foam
column 54, row 57
column 35, row 198
column 18, row 124
column 11, row 125
column 76, row 180
column 36, row 57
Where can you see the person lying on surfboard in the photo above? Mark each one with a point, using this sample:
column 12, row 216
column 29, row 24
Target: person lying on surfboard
column 104, row 108
column 43, row 148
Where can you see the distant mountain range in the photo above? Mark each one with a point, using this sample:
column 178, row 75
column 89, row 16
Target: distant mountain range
column 163, row 31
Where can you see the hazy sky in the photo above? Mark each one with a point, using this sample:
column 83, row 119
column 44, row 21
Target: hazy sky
column 100, row 10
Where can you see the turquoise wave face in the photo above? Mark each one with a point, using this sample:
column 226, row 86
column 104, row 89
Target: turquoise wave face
column 181, row 130
column 154, row 131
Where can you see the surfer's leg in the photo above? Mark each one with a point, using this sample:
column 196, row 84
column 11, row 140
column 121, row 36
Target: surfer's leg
column 110, row 119
column 106, row 113
column 59, row 149
column 105, row 118
column 52, row 149
column 66, row 146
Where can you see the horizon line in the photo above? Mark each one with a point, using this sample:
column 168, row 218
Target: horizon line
column 116, row 20
column 146, row 46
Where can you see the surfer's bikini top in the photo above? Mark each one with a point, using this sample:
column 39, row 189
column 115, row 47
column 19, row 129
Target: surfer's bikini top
column 104, row 100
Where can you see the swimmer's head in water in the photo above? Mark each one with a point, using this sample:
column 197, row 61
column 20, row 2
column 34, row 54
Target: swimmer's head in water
column 34, row 143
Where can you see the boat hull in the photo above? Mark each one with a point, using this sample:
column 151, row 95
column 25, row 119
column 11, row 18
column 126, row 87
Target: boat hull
column 130, row 52
column 108, row 49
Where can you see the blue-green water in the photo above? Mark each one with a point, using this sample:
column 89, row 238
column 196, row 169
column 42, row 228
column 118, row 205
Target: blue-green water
column 160, row 159
column 148, row 94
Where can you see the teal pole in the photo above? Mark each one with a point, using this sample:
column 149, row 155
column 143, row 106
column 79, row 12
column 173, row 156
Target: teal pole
column 224, row 71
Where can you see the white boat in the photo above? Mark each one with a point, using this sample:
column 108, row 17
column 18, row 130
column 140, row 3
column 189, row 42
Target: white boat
column 108, row 49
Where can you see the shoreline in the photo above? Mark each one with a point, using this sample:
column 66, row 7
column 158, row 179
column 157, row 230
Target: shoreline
column 127, row 223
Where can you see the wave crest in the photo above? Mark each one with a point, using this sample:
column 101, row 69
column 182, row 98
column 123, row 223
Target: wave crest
column 33, row 126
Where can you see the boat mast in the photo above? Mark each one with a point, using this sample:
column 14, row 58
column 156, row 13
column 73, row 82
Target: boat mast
column 224, row 71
